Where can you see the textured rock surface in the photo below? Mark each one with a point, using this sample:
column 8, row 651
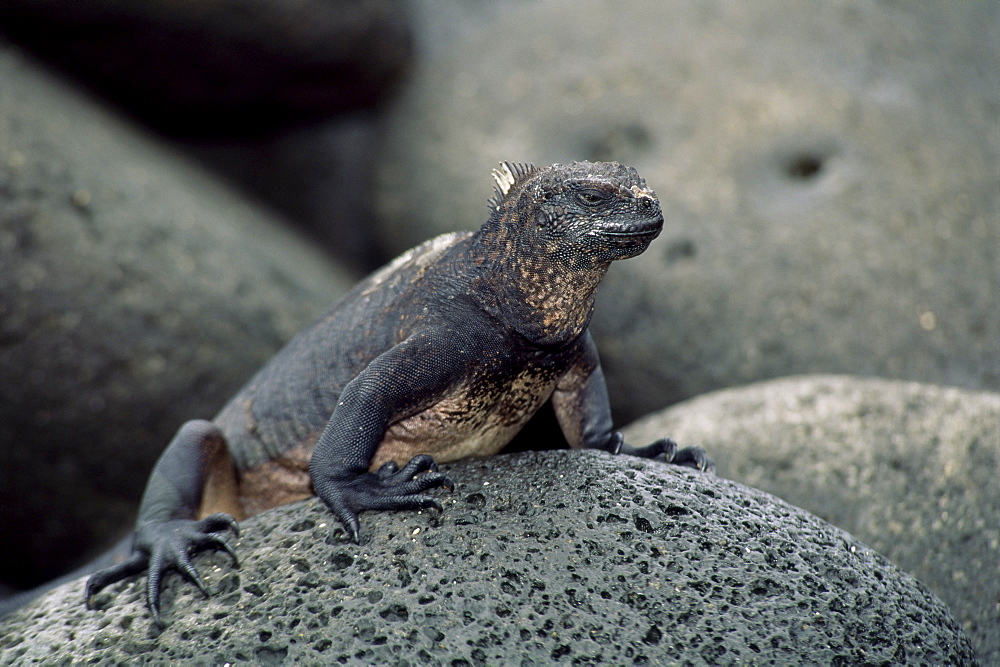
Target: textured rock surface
column 828, row 175
column 910, row 469
column 134, row 294
column 554, row 557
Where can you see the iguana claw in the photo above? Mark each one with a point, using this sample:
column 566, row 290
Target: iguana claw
column 162, row 546
column 689, row 457
column 388, row 488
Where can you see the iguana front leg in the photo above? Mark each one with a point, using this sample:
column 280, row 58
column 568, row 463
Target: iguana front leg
column 584, row 413
column 193, row 476
column 402, row 381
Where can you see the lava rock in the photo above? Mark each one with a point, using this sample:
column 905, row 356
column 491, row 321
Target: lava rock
column 910, row 469
column 549, row 557
column 827, row 174
column 135, row 294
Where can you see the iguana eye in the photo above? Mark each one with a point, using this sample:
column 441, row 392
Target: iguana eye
column 591, row 197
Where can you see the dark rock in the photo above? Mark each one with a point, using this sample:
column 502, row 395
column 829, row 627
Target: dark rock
column 828, row 175
column 135, row 293
column 278, row 97
column 220, row 66
column 319, row 175
column 910, row 469
column 574, row 557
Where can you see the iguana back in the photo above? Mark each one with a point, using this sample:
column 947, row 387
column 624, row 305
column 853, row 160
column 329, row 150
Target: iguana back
column 288, row 402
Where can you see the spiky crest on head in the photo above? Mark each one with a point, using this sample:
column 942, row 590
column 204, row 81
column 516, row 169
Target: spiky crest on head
column 507, row 176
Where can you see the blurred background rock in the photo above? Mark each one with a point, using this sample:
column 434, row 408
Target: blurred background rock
column 274, row 96
column 830, row 177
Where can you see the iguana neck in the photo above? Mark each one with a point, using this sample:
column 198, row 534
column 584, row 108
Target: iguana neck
column 545, row 296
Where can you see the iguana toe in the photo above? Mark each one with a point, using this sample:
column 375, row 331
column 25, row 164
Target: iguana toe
column 388, row 488
column 160, row 547
column 689, row 457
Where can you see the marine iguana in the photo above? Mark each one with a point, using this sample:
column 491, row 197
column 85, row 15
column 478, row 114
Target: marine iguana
column 442, row 354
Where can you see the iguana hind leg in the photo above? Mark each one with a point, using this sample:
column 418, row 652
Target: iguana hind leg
column 189, row 499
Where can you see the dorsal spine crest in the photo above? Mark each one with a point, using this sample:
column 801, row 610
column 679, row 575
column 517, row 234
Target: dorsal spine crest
column 507, row 176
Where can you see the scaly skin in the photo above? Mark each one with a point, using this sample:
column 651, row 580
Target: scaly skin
column 444, row 353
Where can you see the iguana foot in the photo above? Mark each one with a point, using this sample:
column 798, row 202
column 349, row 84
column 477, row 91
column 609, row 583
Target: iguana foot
column 161, row 546
column 689, row 457
column 388, row 488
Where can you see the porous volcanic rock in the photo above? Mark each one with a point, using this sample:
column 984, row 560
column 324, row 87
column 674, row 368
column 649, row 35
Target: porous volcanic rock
column 910, row 469
column 551, row 557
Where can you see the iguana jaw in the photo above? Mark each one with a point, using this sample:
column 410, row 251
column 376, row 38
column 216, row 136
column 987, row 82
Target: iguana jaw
column 648, row 230
column 629, row 239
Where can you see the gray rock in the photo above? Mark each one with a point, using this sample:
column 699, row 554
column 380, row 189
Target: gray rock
column 910, row 469
column 135, row 293
column 553, row 557
column 276, row 96
column 319, row 175
column 828, row 175
column 220, row 66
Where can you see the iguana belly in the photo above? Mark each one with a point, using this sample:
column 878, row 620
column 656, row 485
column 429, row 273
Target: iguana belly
column 474, row 421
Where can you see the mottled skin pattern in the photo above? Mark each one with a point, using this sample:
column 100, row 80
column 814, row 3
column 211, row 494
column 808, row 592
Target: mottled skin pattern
column 444, row 353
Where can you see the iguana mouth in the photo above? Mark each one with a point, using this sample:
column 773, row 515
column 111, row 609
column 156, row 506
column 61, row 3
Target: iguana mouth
column 630, row 232
column 649, row 230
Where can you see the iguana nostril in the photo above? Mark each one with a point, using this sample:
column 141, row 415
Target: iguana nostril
column 804, row 166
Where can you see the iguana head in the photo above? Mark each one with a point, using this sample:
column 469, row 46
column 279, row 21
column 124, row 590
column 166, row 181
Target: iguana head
column 551, row 236
column 601, row 210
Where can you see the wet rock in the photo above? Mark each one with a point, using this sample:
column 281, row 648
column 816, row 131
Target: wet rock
column 546, row 557
column 910, row 469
